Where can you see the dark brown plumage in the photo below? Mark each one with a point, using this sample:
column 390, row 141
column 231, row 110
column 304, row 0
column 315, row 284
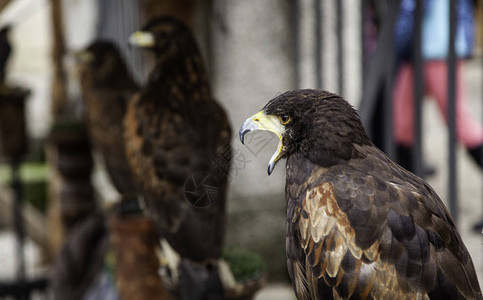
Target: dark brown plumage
column 5, row 50
column 175, row 129
column 359, row 226
column 106, row 87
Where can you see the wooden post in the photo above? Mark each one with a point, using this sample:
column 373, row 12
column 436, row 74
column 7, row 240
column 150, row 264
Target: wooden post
column 4, row 3
column 59, row 84
column 134, row 240
column 70, row 191
column 58, row 98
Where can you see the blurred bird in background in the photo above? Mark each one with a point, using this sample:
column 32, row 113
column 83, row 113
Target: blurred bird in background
column 178, row 139
column 359, row 226
column 107, row 87
column 5, row 50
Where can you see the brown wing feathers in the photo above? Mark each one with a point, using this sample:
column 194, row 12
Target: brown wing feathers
column 357, row 238
column 106, row 88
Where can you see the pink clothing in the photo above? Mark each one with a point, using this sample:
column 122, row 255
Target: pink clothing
column 469, row 131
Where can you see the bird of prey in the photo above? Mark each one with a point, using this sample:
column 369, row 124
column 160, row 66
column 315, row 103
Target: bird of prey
column 107, row 87
column 5, row 50
column 359, row 226
column 178, row 139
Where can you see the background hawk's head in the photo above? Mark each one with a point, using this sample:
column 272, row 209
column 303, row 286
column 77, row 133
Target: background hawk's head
column 316, row 124
column 100, row 64
column 164, row 34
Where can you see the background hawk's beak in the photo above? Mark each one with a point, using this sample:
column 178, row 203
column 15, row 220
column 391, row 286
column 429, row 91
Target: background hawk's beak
column 84, row 57
column 143, row 39
column 261, row 121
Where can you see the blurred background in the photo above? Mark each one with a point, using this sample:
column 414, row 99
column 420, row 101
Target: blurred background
column 374, row 53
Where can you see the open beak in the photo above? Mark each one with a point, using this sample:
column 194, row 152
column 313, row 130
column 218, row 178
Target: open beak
column 142, row 39
column 261, row 121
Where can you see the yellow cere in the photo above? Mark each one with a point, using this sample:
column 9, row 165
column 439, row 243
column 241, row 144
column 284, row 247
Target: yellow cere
column 142, row 39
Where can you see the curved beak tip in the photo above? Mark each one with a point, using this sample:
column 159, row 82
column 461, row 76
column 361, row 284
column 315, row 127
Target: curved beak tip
column 242, row 134
column 246, row 127
column 260, row 121
column 270, row 169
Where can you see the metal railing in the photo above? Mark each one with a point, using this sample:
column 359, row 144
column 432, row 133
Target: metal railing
column 118, row 19
column 452, row 186
column 378, row 76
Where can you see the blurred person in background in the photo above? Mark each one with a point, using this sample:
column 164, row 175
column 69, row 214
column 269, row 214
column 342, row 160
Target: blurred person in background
column 435, row 42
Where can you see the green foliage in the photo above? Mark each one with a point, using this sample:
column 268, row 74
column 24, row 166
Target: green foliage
column 244, row 265
column 34, row 181
column 28, row 172
column 110, row 263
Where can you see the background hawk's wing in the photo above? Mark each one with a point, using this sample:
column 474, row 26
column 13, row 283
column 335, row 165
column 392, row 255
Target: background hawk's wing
column 105, row 114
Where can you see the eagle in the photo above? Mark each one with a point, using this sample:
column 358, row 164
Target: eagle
column 178, row 142
column 5, row 50
column 359, row 226
column 107, row 86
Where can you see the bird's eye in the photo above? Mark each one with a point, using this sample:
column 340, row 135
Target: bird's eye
column 285, row 119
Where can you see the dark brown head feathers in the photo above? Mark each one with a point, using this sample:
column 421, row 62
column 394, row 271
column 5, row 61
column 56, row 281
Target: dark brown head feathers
column 323, row 127
column 171, row 36
column 105, row 66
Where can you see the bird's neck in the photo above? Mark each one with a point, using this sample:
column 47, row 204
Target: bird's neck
column 327, row 150
column 113, row 76
column 124, row 83
column 301, row 173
